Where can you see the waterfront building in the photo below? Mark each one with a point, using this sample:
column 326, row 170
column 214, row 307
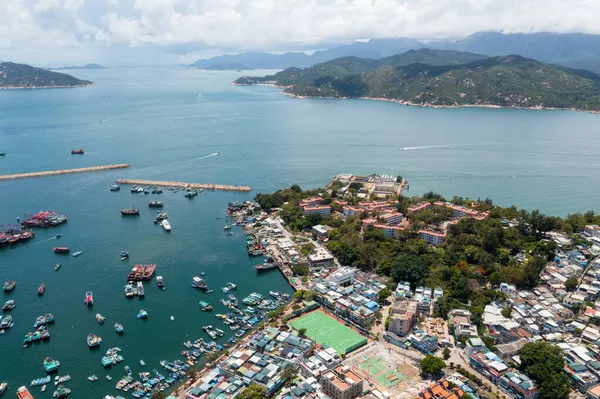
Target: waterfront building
column 342, row 383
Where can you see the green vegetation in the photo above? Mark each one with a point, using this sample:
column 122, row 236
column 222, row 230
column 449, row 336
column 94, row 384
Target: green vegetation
column 254, row 391
column 571, row 284
column 21, row 76
column 307, row 249
column 431, row 366
column 303, row 295
column 446, row 353
column 348, row 66
column 544, row 363
column 508, row 81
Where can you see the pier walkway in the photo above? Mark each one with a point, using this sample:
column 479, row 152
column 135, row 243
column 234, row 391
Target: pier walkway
column 195, row 186
column 63, row 172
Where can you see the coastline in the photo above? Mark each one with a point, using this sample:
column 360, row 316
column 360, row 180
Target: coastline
column 412, row 104
column 44, row 87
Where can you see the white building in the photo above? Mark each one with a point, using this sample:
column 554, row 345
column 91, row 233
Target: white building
column 432, row 237
column 344, row 276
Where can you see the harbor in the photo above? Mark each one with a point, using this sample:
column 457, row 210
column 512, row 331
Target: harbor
column 183, row 185
column 46, row 173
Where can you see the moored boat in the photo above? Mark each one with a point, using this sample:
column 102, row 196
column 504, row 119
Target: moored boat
column 160, row 282
column 9, row 285
column 92, row 378
column 41, row 289
column 57, row 266
column 266, row 266
column 99, row 318
column 191, row 194
column 93, row 340
column 142, row 314
column 227, row 227
column 130, row 212
column 39, row 321
column 140, row 288
column 89, row 298
column 197, row 282
column 6, row 322
column 119, row 328
column 51, row 365
column 9, row 305
column 61, row 250
column 78, row 151
column 124, row 254
column 166, row 225
column 155, row 204
column 205, row 306
column 23, row 393
column 129, row 290
column 49, row 318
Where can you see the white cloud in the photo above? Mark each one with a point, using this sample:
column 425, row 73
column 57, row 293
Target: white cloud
column 281, row 24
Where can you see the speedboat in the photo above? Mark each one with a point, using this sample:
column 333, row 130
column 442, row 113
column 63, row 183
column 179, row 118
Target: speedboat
column 143, row 363
column 57, row 266
column 92, row 378
column 115, row 188
column 227, row 227
column 76, row 254
column 165, row 225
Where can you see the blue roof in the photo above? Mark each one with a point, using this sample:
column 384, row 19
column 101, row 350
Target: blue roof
column 372, row 305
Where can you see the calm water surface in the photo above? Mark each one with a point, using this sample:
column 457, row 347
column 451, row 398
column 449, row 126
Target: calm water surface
column 168, row 123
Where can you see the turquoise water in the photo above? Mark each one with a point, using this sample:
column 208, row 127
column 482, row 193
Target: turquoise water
column 167, row 123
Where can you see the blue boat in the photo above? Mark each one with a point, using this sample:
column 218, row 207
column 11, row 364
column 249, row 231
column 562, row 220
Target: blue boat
column 124, row 254
column 142, row 315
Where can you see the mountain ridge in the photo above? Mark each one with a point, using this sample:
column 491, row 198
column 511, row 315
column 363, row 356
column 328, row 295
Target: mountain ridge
column 22, row 76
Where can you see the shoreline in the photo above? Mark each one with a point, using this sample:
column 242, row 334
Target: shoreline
column 44, row 87
column 412, row 104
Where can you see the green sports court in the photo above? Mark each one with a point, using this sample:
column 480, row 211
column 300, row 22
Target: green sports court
column 328, row 332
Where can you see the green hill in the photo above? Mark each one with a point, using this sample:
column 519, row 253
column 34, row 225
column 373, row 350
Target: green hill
column 510, row 81
column 21, row 76
column 347, row 66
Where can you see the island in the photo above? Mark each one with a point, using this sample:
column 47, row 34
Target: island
column 438, row 78
column 88, row 66
column 21, row 76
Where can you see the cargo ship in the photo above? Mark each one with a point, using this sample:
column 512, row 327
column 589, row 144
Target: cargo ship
column 130, row 212
column 78, row 151
column 61, row 250
column 265, row 267
column 141, row 272
column 44, row 219
column 23, row 393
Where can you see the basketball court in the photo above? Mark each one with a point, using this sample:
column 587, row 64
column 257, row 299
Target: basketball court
column 328, row 332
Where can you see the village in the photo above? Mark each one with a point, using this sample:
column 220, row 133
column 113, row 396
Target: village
column 347, row 335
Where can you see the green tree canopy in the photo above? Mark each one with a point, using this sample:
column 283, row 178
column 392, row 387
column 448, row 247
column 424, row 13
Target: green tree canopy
column 544, row 363
column 254, row 391
column 571, row 284
column 432, row 366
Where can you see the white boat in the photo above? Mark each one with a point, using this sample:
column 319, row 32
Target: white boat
column 75, row 254
column 166, row 225
column 172, row 318
column 143, row 363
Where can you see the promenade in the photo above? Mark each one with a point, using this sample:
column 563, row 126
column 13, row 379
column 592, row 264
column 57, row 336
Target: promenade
column 63, row 172
column 195, row 186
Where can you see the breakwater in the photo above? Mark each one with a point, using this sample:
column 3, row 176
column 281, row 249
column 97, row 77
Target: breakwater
column 63, row 172
column 195, row 186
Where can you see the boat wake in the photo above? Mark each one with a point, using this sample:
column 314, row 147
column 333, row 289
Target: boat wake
column 426, row 147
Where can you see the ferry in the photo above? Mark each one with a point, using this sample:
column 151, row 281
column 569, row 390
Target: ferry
column 160, row 282
column 61, row 250
column 23, row 393
column 166, row 225
column 140, row 288
column 130, row 212
column 93, row 340
column 89, row 298
column 41, row 289
column 197, row 282
column 9, row 285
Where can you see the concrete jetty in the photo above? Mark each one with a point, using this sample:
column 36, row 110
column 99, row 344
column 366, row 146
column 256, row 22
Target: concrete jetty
column 195, row 186
column 63, row 172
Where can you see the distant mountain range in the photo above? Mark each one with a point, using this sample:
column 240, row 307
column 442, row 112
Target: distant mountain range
column 88, row 66
column 21, row 76
column 444, row 78
column 575, row 50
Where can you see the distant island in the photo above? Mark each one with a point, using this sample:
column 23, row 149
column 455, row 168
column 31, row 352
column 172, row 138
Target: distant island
column 226, row 67
column 88, row 66
column 438, row 78
column 21, row 76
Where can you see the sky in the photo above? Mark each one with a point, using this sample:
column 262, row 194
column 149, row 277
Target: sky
column 153, row 32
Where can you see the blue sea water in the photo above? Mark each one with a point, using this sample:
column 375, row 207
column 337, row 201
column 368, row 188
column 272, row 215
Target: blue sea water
column 168, row 123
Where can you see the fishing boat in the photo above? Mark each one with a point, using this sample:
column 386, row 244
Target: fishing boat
column 57, row 266
column 197, row 282
column 142, row 314
column 23, row 393
column 191, row 194
column 140, row 288
column 160, row 282
column 99, row 318
column 61, row 250
column 227, row 227
column 225, row 289
column 155, row 204
column 93, row 340
column 129, row 290
column 266, row 266
column 49, row 318
column 9, row 305
column 119, row 328
column 166, row 225
column 205, row 306
column 41, row 289
column 51, row 365
column 92, row 378
column 39, row 321
column 89, row 298
column 9, row 285
column 127, row 370
column 76, row 254
column 124, row 254
column 78, row 151
column 45, row 335
column 130, row 212
column 3, row 387
column 231, row 286
column 115, row 188
column 37, row 335
column 61, row 392
column 28, row 338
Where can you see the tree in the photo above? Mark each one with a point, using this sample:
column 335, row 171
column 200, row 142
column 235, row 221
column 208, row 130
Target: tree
column 507, row 311
column 212, row 356
column 571, row 284
column 544, row 363
column 289, row 374
column 157, row 395
column 432, row 366
column 302, row 332
column 383, row 295
column 446, row 354
column 254, row 391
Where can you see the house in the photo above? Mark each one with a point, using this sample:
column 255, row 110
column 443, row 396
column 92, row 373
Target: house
column 403, row 317
column 489, row 365
column 460, row 321
column 418, row 207
column 442, row 390
column 424, row 342
column 321, row 232
column 594, row 392
column 508, row 289
column 344, row 276
column 342, row 383
column 518, row 385
column 320, row 259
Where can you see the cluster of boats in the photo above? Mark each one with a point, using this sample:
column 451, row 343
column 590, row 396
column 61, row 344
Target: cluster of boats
column 141, row 272
column 137, row 290
column 152, row 381
column 44, row 219
column 13, row 235
column 254, row 246
column 150, row 189
column 112, row 357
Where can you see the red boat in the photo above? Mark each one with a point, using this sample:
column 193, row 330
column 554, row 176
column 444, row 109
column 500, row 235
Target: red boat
column 89, row 298
column 141, row 272
column 42, row 289
column 79, row 151
column 61, row 250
